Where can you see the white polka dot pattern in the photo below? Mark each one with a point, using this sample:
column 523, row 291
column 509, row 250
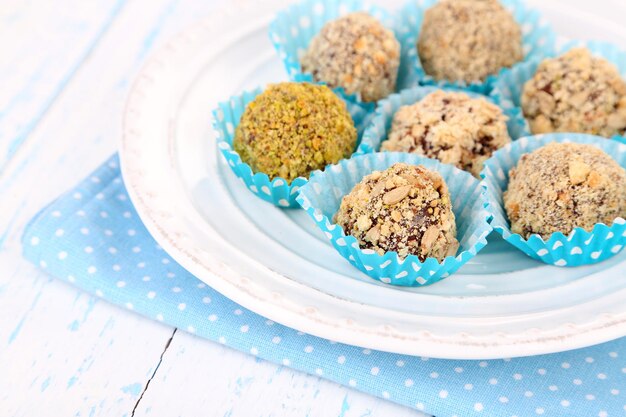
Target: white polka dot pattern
column 471, row 218
column 587, row 382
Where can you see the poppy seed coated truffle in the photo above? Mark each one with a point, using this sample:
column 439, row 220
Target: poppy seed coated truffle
column 561, row 186
column 576, row 92
column 468, row 40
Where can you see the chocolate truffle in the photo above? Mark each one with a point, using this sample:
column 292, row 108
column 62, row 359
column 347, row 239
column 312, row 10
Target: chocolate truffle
column 405, row 209
column 357, row 53
column 576, row 92
column 292, row 129
column 468, row 40
column 451, row 127
column 562, row 186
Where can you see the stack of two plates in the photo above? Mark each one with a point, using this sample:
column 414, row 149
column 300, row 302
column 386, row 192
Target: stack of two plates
column 276, row 263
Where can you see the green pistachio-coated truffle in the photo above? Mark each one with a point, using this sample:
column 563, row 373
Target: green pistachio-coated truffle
column 292, row 129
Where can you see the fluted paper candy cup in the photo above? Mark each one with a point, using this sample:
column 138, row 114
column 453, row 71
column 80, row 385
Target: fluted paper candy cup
column 538, row 40
column 277, row 191
column 322, row 195
column 509, row 87
column 580, row 247
column 378, row 129
column 293, row 29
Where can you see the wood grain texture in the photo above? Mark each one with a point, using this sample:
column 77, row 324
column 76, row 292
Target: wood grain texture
column 229, row 383
column 65, row 69
column 44, row 44
column 63, row 352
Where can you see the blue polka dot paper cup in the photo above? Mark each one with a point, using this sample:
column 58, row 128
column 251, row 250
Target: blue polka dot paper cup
column 380, row 126
column 509, row 86
column 294, row 28
column 322, row 196
column 537, row 36
column 580, row 247
column 277, row 191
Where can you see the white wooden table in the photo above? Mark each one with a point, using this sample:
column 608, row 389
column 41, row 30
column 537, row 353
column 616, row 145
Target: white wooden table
column 65, row 68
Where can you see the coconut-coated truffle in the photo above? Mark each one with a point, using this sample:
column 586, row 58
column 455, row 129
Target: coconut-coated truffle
column 405, row 209
column 451, row 127
column 355, row 52
column 576, row 92
column 292, row 129
column 561, row 186
column 468, row 40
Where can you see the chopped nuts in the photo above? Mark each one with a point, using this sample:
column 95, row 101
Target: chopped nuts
column 576, row 92
column 468, row 40
column 513, row 210
column 564, row 185
column 594, row 179
column 373, row 234
column 578, row 171
column 380, row 57
column 396, row 195
column 355, row 52
column 453, row 248
column 292, row 129
column 451, row 127
column 401, row 210
column 429, row 237
column 360, row 44
column 364, row 222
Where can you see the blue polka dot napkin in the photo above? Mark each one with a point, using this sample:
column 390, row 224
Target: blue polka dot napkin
column 93, row 238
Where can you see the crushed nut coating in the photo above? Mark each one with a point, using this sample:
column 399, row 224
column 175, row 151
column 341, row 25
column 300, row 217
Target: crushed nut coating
column 451, row 127
column 576, row 92
column 468, row 40
column 292, row 129
column 357, row 53
column 405, row 209
column 562, row 186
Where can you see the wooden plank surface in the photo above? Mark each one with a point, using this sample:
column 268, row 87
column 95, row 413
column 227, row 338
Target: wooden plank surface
column 65, row 69
column 63, row 352
column 232, row 384
column 74, row 354
column 66, row 353
column 42, row 46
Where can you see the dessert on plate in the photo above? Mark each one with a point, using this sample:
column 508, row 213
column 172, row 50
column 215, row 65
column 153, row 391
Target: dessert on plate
column 451, row 127
column 576, row 92
column 468, row 40
column 355, row 52
column 561, row 186
column 292, row 129
column 405, row 208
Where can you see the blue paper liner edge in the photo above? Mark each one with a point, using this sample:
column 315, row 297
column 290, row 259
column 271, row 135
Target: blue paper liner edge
column 337, row 180
column 580, row 247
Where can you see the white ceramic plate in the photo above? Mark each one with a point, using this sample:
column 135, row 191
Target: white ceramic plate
column 276, row 263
